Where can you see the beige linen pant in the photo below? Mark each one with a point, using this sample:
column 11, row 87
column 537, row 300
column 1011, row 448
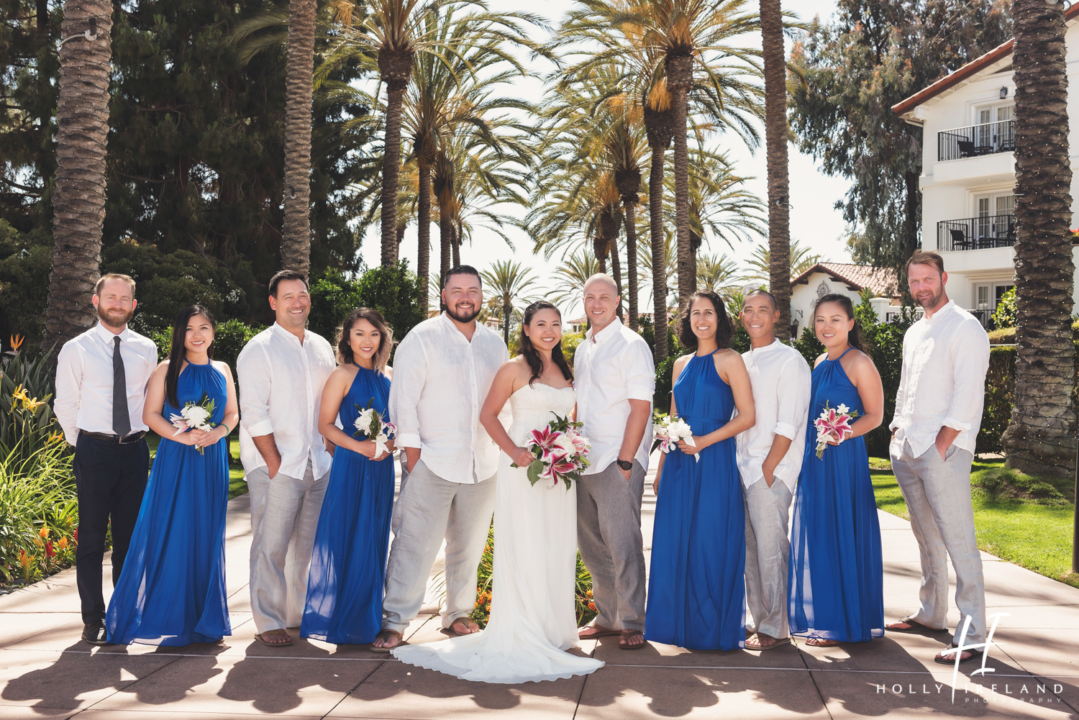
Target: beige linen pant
column 767, row 556
column 429, row 509
column 938, row 499
column 612, row 548
column 284, row 517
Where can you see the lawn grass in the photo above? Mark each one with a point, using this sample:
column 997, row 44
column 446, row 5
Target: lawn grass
column 237, row 486
column 1022, row 519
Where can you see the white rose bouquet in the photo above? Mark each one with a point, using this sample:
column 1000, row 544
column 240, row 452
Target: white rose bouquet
column 373, row 426
column 194, row 416
column 560, row 451
column 669, row 431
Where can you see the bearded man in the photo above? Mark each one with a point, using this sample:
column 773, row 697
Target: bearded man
column 101, row 379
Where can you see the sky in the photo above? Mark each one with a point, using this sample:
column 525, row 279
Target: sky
column 814, row 220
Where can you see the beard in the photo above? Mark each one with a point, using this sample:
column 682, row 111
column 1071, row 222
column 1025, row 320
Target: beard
column 462, row 317
column 115, row 318
column 933, row 300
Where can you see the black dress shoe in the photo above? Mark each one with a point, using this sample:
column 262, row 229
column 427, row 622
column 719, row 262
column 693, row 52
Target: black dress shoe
column 94, row 633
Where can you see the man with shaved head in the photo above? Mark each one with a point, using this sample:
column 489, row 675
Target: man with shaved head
column 615, row 383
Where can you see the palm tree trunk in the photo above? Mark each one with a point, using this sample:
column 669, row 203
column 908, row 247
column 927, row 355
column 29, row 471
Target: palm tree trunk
column 445, row 239
column 679, row 77
column 455, row 240
column 775, row 124
column 1041, row 436
column 599, row 247
column 296, row 233
column 631, row 262
column 616, row 268
column 659, row 257
column 391, row 174
column 79, row 199
column 423, row 254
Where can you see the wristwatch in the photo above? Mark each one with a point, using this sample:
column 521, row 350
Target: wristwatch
column 626, row 465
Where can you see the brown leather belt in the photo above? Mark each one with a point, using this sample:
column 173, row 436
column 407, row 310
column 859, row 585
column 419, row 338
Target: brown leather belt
column 129, row 440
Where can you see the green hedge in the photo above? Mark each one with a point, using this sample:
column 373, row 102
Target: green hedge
column 229, row 340
column 393, row 291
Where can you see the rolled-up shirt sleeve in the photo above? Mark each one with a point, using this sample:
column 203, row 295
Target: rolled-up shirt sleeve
column 793, row 392
column 968, row 377
column 68, row 396
column 640, row 372
column 409, row 376
column 253, row 370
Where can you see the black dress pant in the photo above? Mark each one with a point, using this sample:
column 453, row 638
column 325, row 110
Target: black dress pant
column 111, row 479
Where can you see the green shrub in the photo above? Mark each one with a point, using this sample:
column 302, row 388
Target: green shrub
column 810, row 347
column 25, row 263
column 661, row 401
column 394, row 291
column 1002, row 336
column 1005, row 314
column 27, row 422
column 570, row 342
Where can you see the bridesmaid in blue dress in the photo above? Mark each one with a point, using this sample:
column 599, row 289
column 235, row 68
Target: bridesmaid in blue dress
column 836, row 571
column 348, row 564
column 172, row 588
column 696, row 587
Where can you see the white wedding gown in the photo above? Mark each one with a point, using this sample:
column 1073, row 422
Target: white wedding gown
column 533, row 620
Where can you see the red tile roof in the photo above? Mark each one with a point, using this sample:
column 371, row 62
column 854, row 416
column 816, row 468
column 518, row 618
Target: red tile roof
column 882, row 282
column 968, row 70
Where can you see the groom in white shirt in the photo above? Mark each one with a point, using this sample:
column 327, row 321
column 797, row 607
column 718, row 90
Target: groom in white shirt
column 616, row 380
column 282, row 371
column 769, row 460
column 938, row 412
column 442, row 372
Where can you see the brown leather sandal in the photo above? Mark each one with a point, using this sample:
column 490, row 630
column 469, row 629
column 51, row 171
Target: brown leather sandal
column 624, row 643
column 386, row 635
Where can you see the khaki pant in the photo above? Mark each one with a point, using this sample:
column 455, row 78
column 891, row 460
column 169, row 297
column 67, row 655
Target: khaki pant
column 767, row 556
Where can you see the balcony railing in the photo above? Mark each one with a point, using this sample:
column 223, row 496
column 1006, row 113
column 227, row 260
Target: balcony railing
column 980, row 233
column 985, row 139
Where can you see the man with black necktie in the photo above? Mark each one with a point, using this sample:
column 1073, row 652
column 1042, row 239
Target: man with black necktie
column 101, row 379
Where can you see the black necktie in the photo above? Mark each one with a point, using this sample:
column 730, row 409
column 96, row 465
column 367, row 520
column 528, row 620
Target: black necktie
column 121, row 420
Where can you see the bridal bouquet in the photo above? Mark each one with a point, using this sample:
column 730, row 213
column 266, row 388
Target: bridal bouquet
column 669, row 431
column 560, row 452
column 833, row 422
column 194, row 416
column 373, row 426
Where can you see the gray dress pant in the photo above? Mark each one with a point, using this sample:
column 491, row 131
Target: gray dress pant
column 609, row 537
column 767, row 555
column 429, row 509
column 938, row 499
column 284, row 517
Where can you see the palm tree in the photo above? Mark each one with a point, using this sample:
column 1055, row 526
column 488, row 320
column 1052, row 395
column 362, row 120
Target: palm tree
column 775, row 131
column 717, row 273
column 296, row 229
column 760, row 264
column 1041, row 435
column 719, row 205
column 570, row 278
column 79, row 199
column 509, row 284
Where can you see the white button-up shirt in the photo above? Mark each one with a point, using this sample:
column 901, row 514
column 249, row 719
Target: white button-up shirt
column 945, row 359
column 610, row 372
column 84, row 380
column 281, row 383
column 781, row 382
column 440, row 382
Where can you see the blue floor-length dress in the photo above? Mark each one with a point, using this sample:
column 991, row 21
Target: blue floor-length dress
column 348, row 564
column 172, row 588
column 836, row 571
column 696, row 587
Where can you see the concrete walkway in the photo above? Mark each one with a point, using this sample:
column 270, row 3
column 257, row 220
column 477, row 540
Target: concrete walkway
column 46, row 671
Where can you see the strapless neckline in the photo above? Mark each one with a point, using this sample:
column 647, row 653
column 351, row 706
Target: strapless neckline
column 533, row 386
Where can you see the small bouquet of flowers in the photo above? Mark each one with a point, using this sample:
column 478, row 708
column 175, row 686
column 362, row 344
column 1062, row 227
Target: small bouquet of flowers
column 560, row 452
column 374, row 427
column 194, row 416
column 833, row 422
column 669, row 431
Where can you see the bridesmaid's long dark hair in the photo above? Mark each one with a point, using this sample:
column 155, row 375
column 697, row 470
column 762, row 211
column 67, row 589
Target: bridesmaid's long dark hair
column 531, row 354
column 178, row 352
column 854, row 337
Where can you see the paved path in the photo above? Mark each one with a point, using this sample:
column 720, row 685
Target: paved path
column 46, row 671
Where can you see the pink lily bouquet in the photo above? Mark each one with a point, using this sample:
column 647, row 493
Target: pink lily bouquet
column 669, row 431
column 833, row 422
column 194, row 416
column 560, row 451
column 373, row 426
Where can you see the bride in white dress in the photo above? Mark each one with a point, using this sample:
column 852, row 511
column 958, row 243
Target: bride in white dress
column 533, row 620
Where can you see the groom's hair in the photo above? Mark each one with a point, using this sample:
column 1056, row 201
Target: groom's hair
column 286, row 275
column 461, row 270
column 762, row 291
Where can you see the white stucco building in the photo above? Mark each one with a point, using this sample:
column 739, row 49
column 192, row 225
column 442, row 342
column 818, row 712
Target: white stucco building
column 844, row 279
column 968, row 170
